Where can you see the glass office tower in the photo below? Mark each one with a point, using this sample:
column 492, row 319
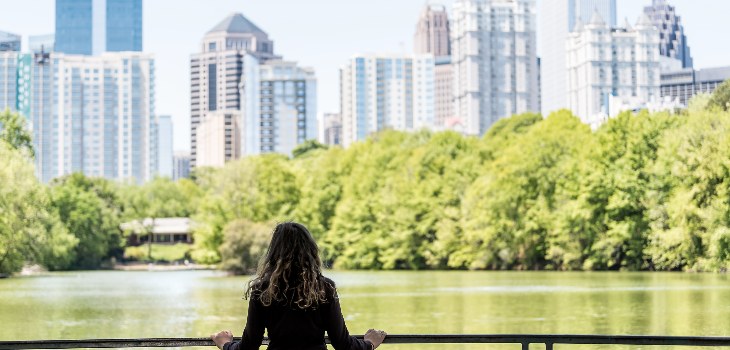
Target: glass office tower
column 90, row 27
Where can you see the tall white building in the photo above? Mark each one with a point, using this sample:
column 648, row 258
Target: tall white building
column 280, row 107
column 494, row 57
column 606, row 65
column 557, row 20
column 8, row 80
column 91, row 114
column 386, row 92
column 164, row 146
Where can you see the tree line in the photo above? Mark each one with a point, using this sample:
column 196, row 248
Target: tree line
column 642, row 192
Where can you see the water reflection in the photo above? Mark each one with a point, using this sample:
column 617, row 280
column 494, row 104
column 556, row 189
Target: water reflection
column 194, row 303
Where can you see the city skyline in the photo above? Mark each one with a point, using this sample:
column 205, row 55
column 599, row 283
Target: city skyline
column 324, row 49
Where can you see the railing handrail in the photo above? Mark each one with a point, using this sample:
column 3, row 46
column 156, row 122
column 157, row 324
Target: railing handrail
column 524, row 339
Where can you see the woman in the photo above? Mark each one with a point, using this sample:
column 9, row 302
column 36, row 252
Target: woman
column 293, row 301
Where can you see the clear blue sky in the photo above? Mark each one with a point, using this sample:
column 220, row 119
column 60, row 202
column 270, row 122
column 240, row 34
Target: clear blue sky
column 321, row 34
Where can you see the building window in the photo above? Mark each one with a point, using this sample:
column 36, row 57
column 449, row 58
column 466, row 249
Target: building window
column 211, row 46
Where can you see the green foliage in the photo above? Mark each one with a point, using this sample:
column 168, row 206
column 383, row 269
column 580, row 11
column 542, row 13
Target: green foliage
column 306, row 147
column 160, row 253
column 721, row 97
column 89, row 211
column 14, row 131
column 244, row 243
column 643, row 192
column 29, row 231
column 257, row 189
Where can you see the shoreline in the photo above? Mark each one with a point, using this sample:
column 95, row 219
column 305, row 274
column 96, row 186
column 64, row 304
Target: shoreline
column 161, row 267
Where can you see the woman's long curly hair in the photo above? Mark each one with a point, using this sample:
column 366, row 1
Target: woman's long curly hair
column 291, row 271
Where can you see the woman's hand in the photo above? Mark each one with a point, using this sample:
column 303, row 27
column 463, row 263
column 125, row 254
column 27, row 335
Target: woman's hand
column 375, row 336
column 221, row 338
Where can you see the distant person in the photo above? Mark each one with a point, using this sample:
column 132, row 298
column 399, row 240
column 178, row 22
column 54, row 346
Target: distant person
column 293, row 300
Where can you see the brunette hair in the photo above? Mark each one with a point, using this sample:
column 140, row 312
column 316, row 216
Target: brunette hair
column 291, row 271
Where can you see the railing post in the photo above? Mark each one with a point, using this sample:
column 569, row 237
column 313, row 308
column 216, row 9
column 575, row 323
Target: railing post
column 548, row 346
column 525, row 346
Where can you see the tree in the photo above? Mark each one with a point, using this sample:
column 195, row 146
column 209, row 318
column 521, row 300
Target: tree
column 257, row 189
column 29, row 231
column 721, row 97
column 14, row 132
column 90, row 210
column 692, row 196
column 244, row 243
column 307, row 147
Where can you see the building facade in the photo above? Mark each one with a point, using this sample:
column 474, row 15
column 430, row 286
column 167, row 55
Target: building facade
column 331, row 129
column 9, row 42
column 606, row 63
column 494, row 57
column 217, row 72
column 181, row 165
column 219, row 134
column 682, row 85
column 9, row 80
column 672, row 40
column 386, row 92
column 91, row 27
column 287, row 109
column 164, row 146
column 91, row 114
column 432, row 32
column 443, row 92
column 558, row 18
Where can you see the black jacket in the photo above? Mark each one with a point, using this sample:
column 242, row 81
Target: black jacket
column 292, row 328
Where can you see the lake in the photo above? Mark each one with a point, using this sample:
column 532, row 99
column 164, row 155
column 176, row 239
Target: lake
column 121, row 304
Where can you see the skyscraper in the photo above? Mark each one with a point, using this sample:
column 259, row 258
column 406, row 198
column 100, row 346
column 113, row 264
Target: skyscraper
column 164, row 145
column 432, row 32
column 331, row 129
column 672, row 40
column 91, row 114
column 606, row 64
column 386, row 92
column 558, row 18
column 9, row 42
column 433, row 36
column 233, row 46
column 8, row 80
column 90, row 27
column 493, row 50
column 282, row 113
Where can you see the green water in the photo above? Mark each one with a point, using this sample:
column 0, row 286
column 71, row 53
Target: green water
column 117, row 304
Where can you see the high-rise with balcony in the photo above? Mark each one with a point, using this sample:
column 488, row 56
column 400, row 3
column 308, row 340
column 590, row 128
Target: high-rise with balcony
column 557, row 20
column 217, row 75
column 494, row 55
column 9, row 53
column 611, row 64
column 91, row 114
column 282, row 112
column 386, row 92
column 672, row 40
column 91, row 27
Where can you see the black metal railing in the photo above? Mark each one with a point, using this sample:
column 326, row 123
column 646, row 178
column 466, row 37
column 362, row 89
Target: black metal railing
column 522, row 339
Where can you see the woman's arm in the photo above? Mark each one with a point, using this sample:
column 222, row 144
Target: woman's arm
column 337, row 330
column 253, row 333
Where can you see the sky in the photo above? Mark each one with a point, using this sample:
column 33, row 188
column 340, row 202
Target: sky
column 321, row 34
